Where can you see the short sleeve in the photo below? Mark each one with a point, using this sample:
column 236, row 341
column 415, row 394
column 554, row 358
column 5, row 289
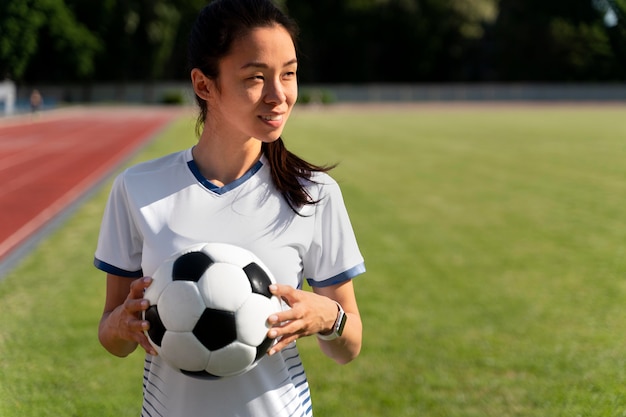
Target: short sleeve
column 334, row 255
column 120, row 244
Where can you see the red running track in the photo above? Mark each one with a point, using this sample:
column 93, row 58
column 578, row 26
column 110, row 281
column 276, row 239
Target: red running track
column 48, row 162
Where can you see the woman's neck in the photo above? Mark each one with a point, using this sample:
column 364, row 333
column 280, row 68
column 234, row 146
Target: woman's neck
column 224, row 161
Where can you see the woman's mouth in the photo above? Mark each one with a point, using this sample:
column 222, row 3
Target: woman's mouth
column 273, row 118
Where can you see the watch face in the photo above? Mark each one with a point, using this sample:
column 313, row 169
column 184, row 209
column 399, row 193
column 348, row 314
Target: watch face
column 341, row 323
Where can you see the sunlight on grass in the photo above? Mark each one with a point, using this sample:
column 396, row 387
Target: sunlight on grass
column 495, row 243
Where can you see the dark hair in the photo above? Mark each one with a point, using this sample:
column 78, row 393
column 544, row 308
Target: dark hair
column 216, row 27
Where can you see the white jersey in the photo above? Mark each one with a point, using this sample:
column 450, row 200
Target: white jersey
column 160, row 207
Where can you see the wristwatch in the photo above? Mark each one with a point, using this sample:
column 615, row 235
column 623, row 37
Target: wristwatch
column 340, row 323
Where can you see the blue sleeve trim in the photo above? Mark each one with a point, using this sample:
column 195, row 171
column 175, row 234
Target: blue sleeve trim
column 338, row 279
column 110, row 269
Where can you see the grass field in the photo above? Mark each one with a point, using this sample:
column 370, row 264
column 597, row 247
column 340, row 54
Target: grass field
column 495, row 241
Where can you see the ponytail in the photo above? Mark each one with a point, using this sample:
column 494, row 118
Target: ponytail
column 288, row 170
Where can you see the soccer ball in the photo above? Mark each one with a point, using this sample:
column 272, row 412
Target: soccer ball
column 208, row 311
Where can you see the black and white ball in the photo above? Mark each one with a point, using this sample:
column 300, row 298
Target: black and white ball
column 208, row 310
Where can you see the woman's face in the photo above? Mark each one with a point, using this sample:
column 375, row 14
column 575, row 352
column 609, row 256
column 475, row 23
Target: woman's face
column 257, row 86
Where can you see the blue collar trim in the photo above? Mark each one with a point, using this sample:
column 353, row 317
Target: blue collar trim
column 226, row 188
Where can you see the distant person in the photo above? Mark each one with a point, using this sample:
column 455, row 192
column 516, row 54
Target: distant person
column 237, row 185
column 36, row 101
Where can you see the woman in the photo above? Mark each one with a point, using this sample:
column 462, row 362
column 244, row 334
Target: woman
column 238, row 185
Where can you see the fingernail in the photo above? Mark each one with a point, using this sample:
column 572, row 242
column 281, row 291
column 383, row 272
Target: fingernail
column 273, row 318
column 273, row 287
column 272, row 334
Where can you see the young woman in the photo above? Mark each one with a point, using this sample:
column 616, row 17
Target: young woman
column 238, row 185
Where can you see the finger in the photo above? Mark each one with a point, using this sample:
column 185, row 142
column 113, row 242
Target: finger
column 138, row 286
column 280, row 318
column 135, row 325
column 281, row 344
column 136, row 330
column 285, row 329
column 284, row 317
column 297, row 328
column 285, row 292
column 135, row 307
column 145, row 344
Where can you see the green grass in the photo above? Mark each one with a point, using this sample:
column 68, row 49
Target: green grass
column 495, row 241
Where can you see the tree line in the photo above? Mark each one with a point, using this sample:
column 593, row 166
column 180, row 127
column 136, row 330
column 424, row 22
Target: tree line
column 341, row 41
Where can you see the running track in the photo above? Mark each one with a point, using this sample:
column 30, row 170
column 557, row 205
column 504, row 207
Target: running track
column 48, row 162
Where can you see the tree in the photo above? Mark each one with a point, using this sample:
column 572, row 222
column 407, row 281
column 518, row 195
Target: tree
column 145, row 39
column 19, row 26
column 476, row 14
column 390, row 40
column 347, row 41
column 176, row 66
column 613, row 14
column 42, row 40
column 559, row 40
column 139, row 36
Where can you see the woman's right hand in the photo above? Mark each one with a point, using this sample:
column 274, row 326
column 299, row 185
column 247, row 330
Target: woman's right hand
column 122, row 327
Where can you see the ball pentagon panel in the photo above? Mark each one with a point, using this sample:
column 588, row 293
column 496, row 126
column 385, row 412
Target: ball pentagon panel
column 216, row 328
column 259, row 279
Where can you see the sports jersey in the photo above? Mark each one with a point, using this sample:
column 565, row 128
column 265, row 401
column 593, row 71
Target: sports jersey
column 159, row 207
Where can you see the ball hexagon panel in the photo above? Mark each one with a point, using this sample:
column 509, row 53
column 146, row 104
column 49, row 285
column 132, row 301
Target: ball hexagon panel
column 231, row 360
column 184, row 351
column 224, row 294
column 180, row 306
column 251, row 319
column 161, row 278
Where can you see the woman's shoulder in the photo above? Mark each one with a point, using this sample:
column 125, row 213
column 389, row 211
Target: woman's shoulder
column 155, row 171
column 321, row 179
column 163, row 163
column 322, row 185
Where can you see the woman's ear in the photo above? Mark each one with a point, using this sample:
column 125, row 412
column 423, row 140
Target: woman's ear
column 200, row 83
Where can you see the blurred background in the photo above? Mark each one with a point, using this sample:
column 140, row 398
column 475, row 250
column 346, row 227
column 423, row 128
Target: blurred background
column 81, row 51
column 494, row 234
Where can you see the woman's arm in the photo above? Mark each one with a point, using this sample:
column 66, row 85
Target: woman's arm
column 347, row 347
column 121, row 327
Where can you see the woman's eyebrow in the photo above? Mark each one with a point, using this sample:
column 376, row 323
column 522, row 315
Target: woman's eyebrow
column 256, row 64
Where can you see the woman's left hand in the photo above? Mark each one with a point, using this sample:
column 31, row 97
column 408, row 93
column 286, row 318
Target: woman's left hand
column 309, row 314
